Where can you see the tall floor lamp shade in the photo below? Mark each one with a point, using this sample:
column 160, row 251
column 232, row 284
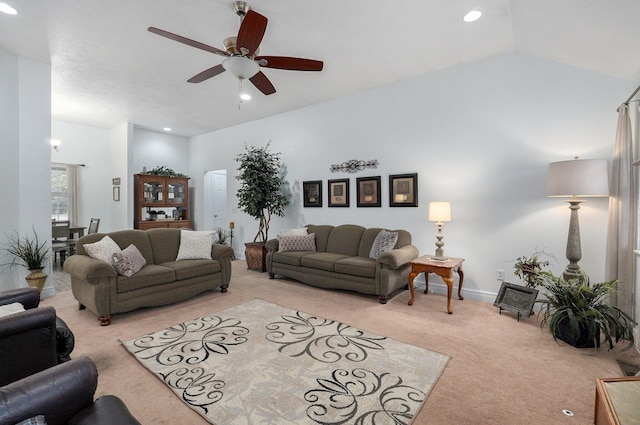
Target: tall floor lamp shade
column 439, row 212
column 577, row 178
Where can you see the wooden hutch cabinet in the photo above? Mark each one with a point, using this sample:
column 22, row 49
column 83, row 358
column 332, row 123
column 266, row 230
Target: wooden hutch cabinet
column 161, row 201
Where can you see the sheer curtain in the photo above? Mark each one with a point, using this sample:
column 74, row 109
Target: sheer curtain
column 72, row 171
column 621, row 234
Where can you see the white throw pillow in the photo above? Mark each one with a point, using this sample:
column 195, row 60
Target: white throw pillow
column 12, row 308
column 195, row 245
column 385, row 241
column 292, row 232
column 297, row 243
column 102, row 250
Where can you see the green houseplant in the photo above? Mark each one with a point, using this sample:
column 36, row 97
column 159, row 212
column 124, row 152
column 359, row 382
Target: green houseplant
column 260, row 195
column 529, row 268
column 577, row 312
column 31, row 253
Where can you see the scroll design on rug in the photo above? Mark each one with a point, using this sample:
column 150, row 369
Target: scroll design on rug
column 192, row 343
column 324, row 340
column 339, row 400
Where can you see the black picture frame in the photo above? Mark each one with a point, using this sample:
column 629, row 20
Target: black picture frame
column 338, row 192
column 403, row 190
column 516, row 298
column 312, row 193
column 368, row 191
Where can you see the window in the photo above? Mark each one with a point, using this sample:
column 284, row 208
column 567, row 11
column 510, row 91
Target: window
column 59, row 192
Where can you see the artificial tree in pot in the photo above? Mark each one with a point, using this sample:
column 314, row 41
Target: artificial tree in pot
column 261, row 196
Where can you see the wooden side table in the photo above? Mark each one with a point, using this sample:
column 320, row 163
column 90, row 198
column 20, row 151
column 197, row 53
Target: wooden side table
column 617, row 401
column 444, row 269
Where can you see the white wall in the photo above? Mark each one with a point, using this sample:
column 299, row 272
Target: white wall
column 25, row 131
column 480, row 135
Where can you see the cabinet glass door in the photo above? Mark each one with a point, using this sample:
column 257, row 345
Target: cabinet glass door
column 153, row 192
column 176, row 192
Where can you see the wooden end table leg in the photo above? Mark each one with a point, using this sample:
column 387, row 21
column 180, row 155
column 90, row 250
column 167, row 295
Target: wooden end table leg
column 449, row 282
column 412, row 276
column 461, row 276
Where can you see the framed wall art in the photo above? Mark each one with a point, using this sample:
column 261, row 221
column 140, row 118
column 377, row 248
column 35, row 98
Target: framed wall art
column 312, row 193
column 116, row 193
column 403, row 190
column 368, row 190
column 339, row 193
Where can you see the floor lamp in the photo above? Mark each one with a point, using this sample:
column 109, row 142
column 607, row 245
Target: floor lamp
column 573, row 179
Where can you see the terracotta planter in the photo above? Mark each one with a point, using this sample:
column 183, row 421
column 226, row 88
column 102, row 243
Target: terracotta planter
column 36, row 279
column 256, row 256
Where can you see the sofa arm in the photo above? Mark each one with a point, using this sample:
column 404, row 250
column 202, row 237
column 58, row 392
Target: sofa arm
column 399, row 257
column 29, row 297
column 86, row 268
column 272, row 245
column 58, row 393
column 220, row 251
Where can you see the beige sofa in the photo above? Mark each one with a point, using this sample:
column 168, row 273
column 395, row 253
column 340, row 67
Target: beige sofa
column 97, row 286
column 341, row 261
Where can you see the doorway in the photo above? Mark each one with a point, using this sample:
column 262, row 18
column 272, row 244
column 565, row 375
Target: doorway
column 215, row 199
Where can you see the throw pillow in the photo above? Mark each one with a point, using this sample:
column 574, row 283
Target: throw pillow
column 195, row 245
column 36, row 420
column 8, row 309
column 385, row 241
column 292, row 232
column 129, row 261
column 297, row 243
column 103, row 249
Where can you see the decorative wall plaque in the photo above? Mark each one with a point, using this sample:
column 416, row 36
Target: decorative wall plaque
column 354, row 165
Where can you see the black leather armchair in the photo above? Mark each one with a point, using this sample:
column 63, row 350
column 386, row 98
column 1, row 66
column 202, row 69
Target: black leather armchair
column 32, row 340
column 64, row 395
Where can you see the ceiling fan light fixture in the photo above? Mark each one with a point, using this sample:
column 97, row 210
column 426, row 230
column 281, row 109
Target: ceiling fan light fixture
column 472, row 16
column 5, row 8
column 241, row 67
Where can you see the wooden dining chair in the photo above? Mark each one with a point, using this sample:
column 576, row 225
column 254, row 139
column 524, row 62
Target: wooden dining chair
column 93, row 225
column 60, row 240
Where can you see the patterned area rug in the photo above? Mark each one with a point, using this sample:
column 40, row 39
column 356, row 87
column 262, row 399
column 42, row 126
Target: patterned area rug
column 261, row 363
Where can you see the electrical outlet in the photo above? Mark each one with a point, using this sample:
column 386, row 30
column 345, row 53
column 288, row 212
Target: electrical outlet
column 500, row 275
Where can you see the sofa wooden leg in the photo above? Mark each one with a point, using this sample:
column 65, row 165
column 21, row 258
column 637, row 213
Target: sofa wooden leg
column 224, row 288
column 272, row 276
column 105, row 320
column 383, row 299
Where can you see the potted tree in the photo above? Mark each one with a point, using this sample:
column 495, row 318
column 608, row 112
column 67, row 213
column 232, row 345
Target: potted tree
column 30, row 253
column 578, row 312
column 261, row 196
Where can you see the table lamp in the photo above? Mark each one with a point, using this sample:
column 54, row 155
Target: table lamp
column 439, row 212
column 574, row 178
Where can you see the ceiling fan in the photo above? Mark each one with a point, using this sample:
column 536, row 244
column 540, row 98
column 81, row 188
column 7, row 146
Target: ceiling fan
column 241, row 52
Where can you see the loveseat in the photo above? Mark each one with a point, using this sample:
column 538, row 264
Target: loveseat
column 341, row 257
column 161, row 281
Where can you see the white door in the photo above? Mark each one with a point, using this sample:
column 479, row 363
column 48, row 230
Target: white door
column 215, row 199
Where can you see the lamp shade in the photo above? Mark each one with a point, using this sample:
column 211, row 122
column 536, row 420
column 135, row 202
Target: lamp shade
column 578, row 177
column 241, row 67
column 439, row 211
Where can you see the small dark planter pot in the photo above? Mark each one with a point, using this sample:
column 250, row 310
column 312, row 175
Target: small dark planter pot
column 256, row 255
column 564, row 333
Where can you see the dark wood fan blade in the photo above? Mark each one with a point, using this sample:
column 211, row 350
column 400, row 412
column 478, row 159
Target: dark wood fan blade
column 187, row 41
column 251, row 32
column 262, row 83
column 295, row 64
column 206, row 74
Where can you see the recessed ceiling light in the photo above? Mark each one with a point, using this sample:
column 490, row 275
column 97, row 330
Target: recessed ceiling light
column 167, row 129
column 5, row 8
column 474, row 15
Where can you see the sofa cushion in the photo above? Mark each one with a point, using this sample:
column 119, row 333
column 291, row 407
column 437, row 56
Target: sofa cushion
column 139, row 238
column 195, row 245
column 129, row 261
column 150, row 275
column 322, row 261
column 384, row 242
column 102, row 250
column 322, row 233
column 165, row 244
column 345, row 239
column 292, row 258
column 357, row 266
column 297, row 243
column 186, row 269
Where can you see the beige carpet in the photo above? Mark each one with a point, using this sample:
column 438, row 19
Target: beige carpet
column 226, row 366
column 501, row 371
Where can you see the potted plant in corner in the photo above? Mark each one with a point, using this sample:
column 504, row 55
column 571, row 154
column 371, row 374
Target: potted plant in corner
column 30, row 253
column 577, row 312
column 261, row 196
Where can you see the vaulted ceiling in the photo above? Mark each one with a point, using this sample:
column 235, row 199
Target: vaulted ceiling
column 108, row 69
